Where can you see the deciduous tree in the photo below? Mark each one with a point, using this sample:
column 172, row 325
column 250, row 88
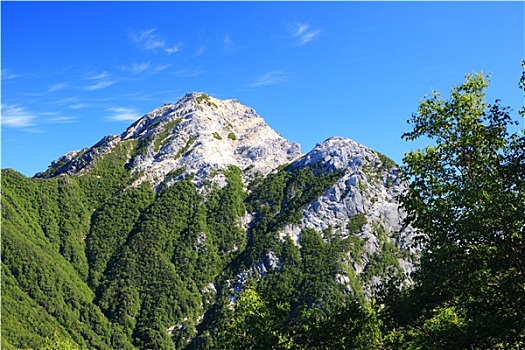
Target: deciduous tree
column 467, row 197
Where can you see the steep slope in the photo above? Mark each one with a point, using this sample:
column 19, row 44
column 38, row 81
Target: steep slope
column 153, row 235
column 324, row 231
column 362, row 205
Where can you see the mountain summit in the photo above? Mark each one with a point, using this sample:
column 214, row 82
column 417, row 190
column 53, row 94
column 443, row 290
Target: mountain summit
column 196, row 136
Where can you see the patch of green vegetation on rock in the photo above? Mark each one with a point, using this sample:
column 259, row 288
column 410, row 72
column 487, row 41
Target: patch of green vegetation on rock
column 162, row 137
column 186, row 149
column 206, row 99
column 386, row 162
column 356, row 223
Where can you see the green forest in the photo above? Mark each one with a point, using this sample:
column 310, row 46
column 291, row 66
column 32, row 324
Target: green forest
column 90, row 261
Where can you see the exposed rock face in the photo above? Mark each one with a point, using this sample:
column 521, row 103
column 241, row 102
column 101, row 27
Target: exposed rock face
column 208, row 134
column 197, row 136
column 367, row 187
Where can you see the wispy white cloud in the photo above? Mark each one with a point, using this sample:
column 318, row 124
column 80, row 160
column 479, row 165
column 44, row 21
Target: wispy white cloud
column 227, row 44
column 100, row 85
column 79, row 106
column 16, row 116
column 56, row 118
column 98, row 76
column 100, row 81
column 141, row 67
column 8, row 74
column 269, row 79
column 123, row 114
column 135, row 68
column 73, row 102
column 149, row 40
column 57, row 87
column 62, row 119
column 161, row 67
column 189, row 73
column 303, row 33
column 173, row 49
column 66, row 101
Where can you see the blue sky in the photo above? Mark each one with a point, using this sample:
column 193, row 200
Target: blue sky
column 73, row 72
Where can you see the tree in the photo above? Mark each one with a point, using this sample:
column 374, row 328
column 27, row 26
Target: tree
column 58, row 343
column 252, row 326
column 467, row 197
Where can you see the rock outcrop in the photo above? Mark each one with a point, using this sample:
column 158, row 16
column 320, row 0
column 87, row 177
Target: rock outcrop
column 197, row 136
column 369, row 187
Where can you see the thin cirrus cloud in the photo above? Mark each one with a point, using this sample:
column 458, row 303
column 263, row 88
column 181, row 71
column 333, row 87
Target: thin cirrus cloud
column 8, row 74
column 57, row 87
column 15, row 116
column 161, row 67
column 78, row 106
column 123, row 114
column 269, row 79
column 149, row 40
column 303, row 33
column 62, row 119
column 100, row 81
column 228, row 44
column 100, row 85
column 137, row 68
column 54, row 118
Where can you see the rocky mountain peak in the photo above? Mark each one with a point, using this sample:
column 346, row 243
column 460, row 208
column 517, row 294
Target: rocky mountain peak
column 201, row 134
column 198, row 136
column 337, row 153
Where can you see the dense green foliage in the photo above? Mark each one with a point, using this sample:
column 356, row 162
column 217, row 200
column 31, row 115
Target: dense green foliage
column 224, row 207
column 110, row 226
column 91, row 262
column 356, row 223
column 44, row 267
column 278, row 201
column 467, row 195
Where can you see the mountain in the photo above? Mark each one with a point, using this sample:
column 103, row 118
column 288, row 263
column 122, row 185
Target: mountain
column 199, row 135
column 171, row 233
